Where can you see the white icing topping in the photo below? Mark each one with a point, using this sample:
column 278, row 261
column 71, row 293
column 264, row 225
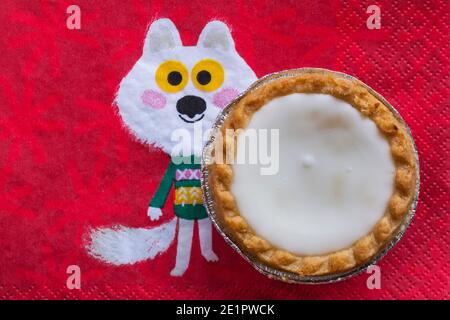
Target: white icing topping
column 308, row 160
column 334, row 180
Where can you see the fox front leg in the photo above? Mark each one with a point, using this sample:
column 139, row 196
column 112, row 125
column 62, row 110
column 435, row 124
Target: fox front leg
column 205, row 235
column 185, row 230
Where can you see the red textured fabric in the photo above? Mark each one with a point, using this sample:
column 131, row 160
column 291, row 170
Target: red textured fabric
column 66, row 163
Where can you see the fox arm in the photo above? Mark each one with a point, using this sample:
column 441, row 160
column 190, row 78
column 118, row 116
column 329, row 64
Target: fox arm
column 160, row 196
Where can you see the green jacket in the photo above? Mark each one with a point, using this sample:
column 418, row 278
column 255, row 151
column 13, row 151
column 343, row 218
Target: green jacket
column 185, row 174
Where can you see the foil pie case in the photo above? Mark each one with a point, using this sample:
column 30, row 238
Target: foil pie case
column 269, row 271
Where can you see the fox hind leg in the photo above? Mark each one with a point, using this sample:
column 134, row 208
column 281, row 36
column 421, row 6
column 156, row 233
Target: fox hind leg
column 205, row 235
column 185, row 230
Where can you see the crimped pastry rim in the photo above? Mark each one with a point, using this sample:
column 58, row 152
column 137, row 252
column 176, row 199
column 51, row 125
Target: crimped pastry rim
column 278, row 263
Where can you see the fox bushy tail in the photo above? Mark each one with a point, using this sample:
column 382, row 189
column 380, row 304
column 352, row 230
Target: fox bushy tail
column 123, row 245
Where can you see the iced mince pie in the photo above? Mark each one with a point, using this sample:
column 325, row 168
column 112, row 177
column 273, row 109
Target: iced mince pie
column 346, row 180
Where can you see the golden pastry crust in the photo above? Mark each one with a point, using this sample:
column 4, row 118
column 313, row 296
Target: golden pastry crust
column 402, row 150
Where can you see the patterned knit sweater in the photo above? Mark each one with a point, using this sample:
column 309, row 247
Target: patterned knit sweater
column 185, row 173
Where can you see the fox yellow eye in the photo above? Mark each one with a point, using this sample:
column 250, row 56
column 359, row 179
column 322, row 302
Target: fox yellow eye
column 171, row 76
column 207, row 75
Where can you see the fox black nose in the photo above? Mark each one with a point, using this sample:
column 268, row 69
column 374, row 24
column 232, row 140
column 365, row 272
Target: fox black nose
column 191, row 106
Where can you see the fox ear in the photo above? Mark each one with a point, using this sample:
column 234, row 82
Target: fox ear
column 162, row 34
column 216, row 35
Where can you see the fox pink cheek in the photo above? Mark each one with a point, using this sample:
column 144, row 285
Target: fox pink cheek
column 154, row 99
column 224, row 96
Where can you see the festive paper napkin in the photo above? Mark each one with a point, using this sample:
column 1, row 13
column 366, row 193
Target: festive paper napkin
column 70, row 164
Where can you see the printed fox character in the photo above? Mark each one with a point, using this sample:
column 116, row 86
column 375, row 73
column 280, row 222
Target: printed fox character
column 174, row 87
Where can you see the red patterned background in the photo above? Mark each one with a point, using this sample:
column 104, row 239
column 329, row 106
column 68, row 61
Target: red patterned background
column 66, row 163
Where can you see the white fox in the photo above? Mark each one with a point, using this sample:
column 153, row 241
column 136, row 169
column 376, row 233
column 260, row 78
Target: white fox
column 173, row 87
